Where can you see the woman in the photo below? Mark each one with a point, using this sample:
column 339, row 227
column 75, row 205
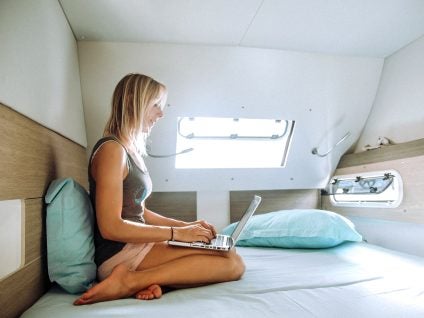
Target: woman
column 132, row 255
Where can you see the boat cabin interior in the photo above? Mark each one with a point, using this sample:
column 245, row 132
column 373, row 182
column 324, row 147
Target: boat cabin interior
column 314, row 105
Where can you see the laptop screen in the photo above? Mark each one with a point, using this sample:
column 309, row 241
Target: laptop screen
column 249, row 212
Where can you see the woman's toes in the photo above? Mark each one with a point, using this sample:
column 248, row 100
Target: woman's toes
column 151, row 292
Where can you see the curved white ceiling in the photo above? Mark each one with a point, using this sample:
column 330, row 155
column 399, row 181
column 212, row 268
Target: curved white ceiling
column 374, row 28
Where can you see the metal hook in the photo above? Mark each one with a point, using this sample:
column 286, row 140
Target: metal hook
column 315, row 150
column 169, row 155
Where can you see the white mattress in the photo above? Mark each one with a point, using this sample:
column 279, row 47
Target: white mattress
column 351, row 280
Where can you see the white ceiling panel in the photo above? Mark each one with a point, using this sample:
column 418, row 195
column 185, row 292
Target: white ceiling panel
column 374, row 28
column 217, row 22
column 353, row 27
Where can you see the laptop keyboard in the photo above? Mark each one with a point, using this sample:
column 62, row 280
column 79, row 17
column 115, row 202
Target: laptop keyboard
column 220, row 240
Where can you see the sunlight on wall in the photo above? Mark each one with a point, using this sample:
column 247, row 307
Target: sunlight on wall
column 11, row 225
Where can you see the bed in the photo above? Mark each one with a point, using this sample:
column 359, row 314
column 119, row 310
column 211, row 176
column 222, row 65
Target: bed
column 353, row 279
column 349, row 280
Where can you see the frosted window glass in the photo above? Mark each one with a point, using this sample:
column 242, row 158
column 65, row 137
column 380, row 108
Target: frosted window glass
column 233, row 143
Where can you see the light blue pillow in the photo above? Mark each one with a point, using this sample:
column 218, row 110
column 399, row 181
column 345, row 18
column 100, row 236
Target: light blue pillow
column 70, row 245
column 309, row 228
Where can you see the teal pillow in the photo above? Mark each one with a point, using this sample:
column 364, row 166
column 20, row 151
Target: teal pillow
column 70, row 245
column 309, row 228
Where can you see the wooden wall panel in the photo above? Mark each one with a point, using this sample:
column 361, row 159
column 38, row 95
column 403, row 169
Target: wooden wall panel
column 385, row 153
column 177, row 205
column 31, row 157
column 35, row 229
column 23, row 288
column 273, row 200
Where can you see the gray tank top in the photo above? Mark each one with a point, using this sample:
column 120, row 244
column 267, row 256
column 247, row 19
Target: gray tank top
column 137, row 186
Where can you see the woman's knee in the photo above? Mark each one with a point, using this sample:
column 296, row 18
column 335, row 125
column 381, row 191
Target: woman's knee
column 237, row 266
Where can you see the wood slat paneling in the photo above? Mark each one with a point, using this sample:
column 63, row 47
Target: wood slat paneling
column 385, row 153
column 177, row 205
column 32, row 156
column 21, row 289
column 35, row 229
column 273, row 200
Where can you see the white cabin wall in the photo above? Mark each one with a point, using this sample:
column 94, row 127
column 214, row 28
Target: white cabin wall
column 327, row 96
column 398, row 114
column 400, row 236
column 39, row 78
column 398, row 111
column 39, row 66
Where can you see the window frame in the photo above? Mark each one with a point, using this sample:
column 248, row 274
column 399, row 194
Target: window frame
column 286, row 133
column 373, row 201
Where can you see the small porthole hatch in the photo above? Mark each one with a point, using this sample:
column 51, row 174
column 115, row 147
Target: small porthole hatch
column 379, row 189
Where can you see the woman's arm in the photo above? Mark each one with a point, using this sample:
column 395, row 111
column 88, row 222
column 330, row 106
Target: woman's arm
column 157, row 219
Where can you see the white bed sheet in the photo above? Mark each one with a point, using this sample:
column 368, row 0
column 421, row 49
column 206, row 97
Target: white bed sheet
column 351, row 280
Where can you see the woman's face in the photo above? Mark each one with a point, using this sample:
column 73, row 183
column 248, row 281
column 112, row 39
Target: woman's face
column 153, row 113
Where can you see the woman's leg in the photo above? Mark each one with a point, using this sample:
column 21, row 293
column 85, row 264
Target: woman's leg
column 162, row 253
column 167, row 266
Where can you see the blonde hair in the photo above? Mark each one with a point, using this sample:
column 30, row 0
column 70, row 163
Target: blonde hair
column 132, row 95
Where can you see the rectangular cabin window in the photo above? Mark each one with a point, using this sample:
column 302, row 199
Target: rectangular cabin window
column 380, row 189
column 233, row 142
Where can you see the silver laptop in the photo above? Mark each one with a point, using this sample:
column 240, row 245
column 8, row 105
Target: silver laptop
column 224, row 242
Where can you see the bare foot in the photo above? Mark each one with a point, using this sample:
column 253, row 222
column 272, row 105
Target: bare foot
column 113, row 287
column 153, row 291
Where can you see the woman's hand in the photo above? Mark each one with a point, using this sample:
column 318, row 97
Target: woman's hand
column 206, row 225
column 199, row 231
